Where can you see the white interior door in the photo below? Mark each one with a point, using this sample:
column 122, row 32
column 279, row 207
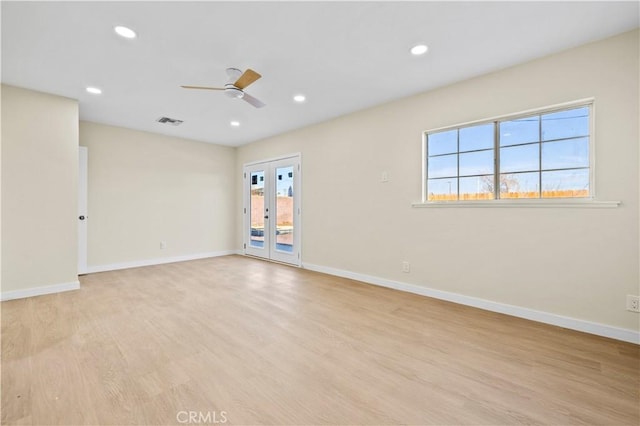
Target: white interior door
column 272, row 210
column 82, row 209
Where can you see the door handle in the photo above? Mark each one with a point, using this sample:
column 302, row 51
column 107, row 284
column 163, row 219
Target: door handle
column 81, row 217
column 266, row 217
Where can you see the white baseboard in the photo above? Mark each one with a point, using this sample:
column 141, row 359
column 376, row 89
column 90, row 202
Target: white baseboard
column 159, row 261
column 617, row 333
column 39, row 291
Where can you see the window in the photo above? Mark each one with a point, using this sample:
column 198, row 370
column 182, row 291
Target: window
column 541, row 155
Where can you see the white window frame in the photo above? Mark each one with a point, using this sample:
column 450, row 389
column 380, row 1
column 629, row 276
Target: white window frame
column 589, row 201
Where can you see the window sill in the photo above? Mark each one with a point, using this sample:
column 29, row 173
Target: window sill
column 581, row 204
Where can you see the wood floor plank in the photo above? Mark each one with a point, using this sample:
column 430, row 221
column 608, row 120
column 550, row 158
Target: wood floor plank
column 253, row 342
column 16, row 367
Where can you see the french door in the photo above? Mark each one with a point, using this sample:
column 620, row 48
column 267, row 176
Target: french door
column 272, row 210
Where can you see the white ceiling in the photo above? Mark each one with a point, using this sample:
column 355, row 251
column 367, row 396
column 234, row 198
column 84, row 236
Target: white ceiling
column 344, row 56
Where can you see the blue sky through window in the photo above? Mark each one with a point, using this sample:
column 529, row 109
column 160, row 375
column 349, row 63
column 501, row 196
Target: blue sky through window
column 284, row 181
column 548, row 152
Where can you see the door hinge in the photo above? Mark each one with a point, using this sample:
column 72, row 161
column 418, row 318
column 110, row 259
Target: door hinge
column 245, row 210
column 245, row 175
column 245, row 245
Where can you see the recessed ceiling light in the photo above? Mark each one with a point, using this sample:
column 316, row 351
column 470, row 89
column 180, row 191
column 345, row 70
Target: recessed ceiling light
column 235, row 123
column 125, row 32
column 419, row 49
column 94, row 90
column 299, row 98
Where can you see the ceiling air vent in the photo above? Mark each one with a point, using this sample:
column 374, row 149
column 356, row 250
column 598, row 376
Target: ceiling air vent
column 167, row 120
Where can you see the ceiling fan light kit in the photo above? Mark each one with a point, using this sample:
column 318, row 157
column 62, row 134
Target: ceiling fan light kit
column 236, row 88
column 233, row 92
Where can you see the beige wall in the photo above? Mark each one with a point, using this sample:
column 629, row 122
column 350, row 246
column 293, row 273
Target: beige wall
column 39, row 189
column 146, row 188
column 1, row 87
column 579, row 263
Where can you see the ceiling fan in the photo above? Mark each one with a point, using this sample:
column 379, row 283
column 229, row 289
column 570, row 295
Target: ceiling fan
column 238, row 80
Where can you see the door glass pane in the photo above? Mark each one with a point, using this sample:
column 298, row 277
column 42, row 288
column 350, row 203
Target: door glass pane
column 284, row 208
column 257, row 209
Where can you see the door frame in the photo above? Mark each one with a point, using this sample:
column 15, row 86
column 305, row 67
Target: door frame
column 296, row 257
column 83, row 181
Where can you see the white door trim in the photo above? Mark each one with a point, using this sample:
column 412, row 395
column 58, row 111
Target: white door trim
column 269, row 251
column 83, row 179
column 272, row 159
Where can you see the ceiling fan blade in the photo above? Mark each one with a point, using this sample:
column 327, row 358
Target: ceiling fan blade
column 202, row 87
column 248, row 77
column 253, row 101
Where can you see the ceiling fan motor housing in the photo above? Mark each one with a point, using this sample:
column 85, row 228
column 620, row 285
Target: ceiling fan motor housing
column 232, row 91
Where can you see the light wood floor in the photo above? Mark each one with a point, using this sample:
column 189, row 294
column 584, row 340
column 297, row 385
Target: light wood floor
column 260, row 343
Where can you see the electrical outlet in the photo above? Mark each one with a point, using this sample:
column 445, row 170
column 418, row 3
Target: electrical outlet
column 163, row 245
column 385, row 177
column 633, row 303
column 406, row 266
